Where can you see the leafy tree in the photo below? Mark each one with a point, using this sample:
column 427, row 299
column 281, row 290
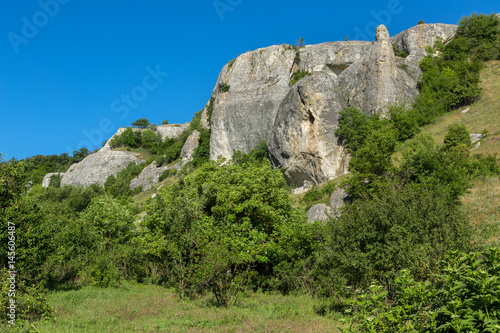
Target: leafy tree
column 375, row 155
column 148, row 139
column 141, row 123
column 165, row 122
column 80, row 154
column 404, row 120
column 354, row 128
column 224, row 224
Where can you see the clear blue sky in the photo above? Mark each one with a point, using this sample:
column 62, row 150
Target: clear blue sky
column 67, row 66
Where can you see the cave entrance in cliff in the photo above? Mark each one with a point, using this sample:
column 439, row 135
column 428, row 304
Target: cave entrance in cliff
column 337, row 69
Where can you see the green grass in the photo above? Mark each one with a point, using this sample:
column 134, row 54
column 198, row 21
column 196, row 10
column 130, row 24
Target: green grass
column 484, row 114
column 148, row 308
column 482, row 203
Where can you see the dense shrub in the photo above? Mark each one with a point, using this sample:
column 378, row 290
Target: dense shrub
column 450, row 80
column 462, row 296
column 457, row 135
column 402, row 227
column 354, row 128
column 202, row 152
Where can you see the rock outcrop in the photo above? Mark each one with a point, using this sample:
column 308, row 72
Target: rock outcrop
column 303, row 140
column 333, row 57
column 415, row 40
column 190, row 146
column 97, row 167
column 46, row 179
column 319, row 213
column 171, row 131
column 246, row 99
column 252, row 100
column 150, row 175
column 338, row 199
column 376, row 81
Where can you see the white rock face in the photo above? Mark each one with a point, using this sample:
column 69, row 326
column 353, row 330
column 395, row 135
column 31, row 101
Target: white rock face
column 376, row 81
column 243, row 116
column 333, row 57
column 190, row 146
column 171, row 131
column 97, row 167
column 303, row 141
column 415, row 40
column 150, row 176
column 46, row 179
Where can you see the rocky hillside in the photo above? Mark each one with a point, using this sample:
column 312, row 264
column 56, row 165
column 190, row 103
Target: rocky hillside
column 253, row 100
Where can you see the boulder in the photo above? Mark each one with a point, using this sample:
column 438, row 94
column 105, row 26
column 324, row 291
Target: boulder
column 415, row 40
column 190, row 146
column 150, row 176
column 319, row 213
column 338, row 199
column 476, row 137
column 246, row 97
column 46, row 179
column 303, row 141
column 376, row 81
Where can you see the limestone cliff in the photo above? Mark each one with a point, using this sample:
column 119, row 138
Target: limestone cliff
column 246, row 99
column 253, row 101
column 376, row 81
column 303, row 141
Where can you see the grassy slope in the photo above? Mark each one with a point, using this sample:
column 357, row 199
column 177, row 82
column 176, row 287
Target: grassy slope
column 482, row 203
column 147, row 308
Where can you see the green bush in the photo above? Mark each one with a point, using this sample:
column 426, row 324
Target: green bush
column 120, row 185
column 457, row 135
column 399, row 53
column 463, row 296
column 225, row 88
column 401, row 227
column 354, row 127
column 297, row 76
column 202, row 152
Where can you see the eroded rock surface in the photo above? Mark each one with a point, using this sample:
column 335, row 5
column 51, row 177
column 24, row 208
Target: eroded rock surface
column 97, row 167
column 303, row 140
column 150, row 176
column 376, row 81
column 247, row 97
column 171, row 131
column 333, row 57
column 415, row 40
column 190, row 146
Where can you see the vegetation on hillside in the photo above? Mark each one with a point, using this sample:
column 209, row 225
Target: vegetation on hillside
column 402, row 257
